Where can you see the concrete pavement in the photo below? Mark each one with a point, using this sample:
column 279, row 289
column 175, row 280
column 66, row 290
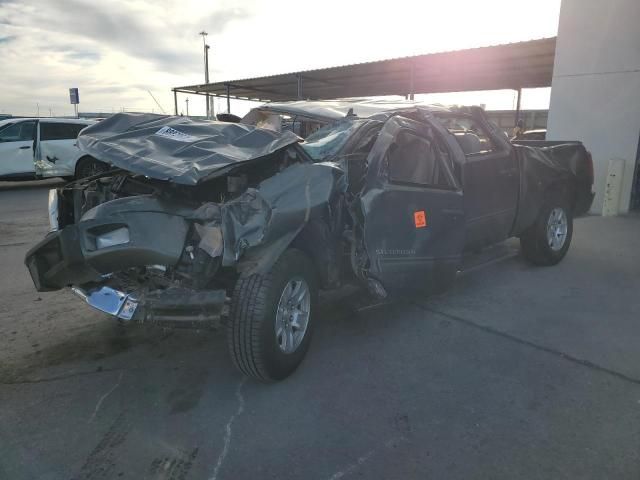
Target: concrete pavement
column 518, row 372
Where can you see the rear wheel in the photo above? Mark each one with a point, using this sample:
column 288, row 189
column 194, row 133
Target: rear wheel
column 548, row 240
column 271, row 318
column 89, row 166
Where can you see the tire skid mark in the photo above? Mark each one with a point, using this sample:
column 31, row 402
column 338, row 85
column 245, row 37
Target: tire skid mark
column 101, row 462
column 176, row 468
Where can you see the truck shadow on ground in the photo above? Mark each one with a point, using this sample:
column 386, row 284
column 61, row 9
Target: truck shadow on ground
column 97, row 348
column 109, row 343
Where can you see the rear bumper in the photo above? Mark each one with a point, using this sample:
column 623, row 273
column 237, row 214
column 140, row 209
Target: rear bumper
column 178, row 305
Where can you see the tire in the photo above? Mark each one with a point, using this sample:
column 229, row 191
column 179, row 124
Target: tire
column 255, row 348
column 89, row 166
column 537, row 243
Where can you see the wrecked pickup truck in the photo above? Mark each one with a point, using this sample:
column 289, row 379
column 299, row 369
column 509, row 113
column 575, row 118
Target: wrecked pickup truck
column 198, row 220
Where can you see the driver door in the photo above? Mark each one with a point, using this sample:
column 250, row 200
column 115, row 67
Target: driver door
column 413, row 210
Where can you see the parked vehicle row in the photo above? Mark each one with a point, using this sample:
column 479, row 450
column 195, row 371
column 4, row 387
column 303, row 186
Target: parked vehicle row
column 42, row 148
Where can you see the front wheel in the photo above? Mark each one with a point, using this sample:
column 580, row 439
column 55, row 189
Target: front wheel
column 271, row 318
column 548, row 240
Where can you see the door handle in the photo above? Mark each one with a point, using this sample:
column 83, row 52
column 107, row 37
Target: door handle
column 25, row 147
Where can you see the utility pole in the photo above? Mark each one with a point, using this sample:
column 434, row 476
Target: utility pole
column 209, row 98
column 206, row 68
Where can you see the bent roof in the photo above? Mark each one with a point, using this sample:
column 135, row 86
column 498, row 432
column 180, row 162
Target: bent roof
column 526, row 64
column 329, row 110
column 177, row 148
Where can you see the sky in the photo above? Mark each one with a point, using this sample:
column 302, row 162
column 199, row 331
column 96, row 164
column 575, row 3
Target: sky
column 117, row 52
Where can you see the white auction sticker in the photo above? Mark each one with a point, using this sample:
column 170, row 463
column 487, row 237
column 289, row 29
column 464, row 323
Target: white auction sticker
column 174, row 134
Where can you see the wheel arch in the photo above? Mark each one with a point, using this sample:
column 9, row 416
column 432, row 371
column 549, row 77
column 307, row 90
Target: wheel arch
column 81, row 159
column 314, row 239
column 533, row 201
column 89, row 158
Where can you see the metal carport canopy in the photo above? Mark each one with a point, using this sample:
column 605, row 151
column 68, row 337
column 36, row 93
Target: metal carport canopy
column 527, row 64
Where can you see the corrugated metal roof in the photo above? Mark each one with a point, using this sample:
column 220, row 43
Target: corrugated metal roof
column 526, row 64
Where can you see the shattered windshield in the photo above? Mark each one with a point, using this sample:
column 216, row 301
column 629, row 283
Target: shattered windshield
column 329, row 140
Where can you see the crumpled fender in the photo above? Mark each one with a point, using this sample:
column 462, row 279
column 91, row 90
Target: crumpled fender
column 259, row 225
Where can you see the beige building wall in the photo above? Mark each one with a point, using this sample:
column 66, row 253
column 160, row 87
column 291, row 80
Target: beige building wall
column 595, row 94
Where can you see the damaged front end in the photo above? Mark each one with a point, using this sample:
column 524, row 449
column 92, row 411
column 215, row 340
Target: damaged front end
column 130, row 250
column 157, row 242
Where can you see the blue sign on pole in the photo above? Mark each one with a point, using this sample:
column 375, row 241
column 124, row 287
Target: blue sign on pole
column 74, row 96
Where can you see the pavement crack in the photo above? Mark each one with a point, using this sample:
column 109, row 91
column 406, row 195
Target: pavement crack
column 542, row 348
column 102, row 399
column 391, row 443
column 228, row 431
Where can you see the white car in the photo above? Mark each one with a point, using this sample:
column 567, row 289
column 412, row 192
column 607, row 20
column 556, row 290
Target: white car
column 42, row 148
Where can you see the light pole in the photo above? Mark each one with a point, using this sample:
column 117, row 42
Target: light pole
column 206, row 68
column 210, row 103
column 187, row 102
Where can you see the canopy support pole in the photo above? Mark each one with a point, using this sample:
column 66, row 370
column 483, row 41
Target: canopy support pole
column 299, row 77
column 175, row 103
column 411, row 86
column 519, row 90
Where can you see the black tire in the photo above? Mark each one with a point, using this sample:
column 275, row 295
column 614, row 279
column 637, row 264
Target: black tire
column 535, row 244
column 251, row 330
column 89, row 166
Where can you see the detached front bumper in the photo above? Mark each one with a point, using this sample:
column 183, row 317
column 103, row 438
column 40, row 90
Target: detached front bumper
column 115, row 237
column 178, row 305
column 75, row 255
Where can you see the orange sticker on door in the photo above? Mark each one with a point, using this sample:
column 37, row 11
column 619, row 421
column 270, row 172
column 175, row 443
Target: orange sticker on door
column 420, row 219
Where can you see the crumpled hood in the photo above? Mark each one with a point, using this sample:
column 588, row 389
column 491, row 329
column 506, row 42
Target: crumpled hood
column 178, row 149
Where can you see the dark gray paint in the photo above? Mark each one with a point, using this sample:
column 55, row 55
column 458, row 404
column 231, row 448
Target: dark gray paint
column 402, row 255
column 491, row 197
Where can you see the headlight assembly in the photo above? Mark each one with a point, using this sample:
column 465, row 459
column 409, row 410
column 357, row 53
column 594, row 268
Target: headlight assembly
column 119, row 236
column 53, row 210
